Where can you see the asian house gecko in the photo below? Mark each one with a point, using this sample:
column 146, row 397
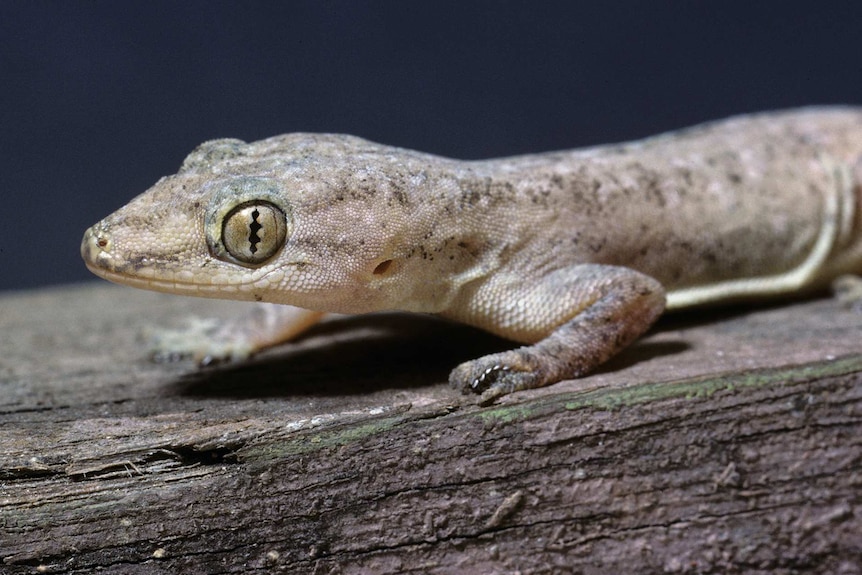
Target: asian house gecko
column 574, row 254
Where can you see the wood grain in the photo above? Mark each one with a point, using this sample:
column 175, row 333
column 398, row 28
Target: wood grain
column 724, row 442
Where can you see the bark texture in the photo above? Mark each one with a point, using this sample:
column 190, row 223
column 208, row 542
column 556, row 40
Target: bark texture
column 722, row 443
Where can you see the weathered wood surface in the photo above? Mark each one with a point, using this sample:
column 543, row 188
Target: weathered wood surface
column 722, row 443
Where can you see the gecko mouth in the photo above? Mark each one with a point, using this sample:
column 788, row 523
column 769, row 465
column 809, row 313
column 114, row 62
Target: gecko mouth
column 161, row 285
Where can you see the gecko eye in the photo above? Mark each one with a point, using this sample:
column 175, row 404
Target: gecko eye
column 253, row 232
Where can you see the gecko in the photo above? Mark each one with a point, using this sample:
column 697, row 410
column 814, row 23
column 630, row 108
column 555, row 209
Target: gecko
column 571, row 255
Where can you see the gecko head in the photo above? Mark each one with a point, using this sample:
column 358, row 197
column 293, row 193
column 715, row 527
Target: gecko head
column 218, row 239
column 292, row 219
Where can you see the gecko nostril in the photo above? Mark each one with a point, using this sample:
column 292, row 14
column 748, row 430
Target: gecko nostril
column 99, row 239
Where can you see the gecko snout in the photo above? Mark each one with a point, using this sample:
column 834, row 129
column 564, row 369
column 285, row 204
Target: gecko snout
column 95, row 245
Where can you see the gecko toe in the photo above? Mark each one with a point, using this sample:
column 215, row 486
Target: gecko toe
column 162, row 356
column 488, row 378
column 493, row 376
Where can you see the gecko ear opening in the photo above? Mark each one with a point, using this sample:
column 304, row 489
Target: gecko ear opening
column 382, row 267
column 253, row 232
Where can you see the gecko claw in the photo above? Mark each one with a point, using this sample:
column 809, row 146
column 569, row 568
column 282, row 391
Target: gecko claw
column 210, row 360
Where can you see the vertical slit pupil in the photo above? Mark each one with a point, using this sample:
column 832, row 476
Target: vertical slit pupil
column 254, row 227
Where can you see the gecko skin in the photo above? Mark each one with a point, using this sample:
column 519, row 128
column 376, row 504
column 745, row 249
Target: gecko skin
column 574, row 254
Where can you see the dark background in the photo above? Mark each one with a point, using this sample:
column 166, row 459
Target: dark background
column 99, row 99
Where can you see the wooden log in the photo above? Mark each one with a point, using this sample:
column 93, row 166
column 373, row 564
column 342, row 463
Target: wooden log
column 724, row 442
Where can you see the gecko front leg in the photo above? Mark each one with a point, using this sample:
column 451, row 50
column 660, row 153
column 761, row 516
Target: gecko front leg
column 578, row 317
column 210, row 341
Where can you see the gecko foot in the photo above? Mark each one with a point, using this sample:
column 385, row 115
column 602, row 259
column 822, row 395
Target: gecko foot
column 847, row 289
column 207, row 342
column 496, row 375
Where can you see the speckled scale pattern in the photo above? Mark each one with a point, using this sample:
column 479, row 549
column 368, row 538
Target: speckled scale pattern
column 574, row 253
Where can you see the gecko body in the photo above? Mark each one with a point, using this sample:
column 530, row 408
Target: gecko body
column 574, row 254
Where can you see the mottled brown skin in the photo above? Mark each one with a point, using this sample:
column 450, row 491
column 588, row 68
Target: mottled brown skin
column 573, row 253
